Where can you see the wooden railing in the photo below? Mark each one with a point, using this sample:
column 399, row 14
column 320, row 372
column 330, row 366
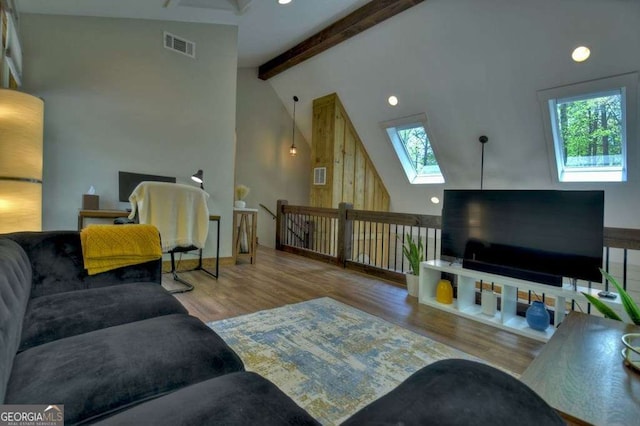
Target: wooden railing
column 371, row 242
column 368, row 241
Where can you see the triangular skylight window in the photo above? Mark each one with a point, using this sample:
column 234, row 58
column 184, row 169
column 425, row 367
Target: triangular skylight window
column 411, row 142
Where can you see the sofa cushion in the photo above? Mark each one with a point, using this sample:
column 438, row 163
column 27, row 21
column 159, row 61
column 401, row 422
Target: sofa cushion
column 234, row 399
column 15, row 285
column 67, row 314
column 58, row 267
column 458, row 392
column 107, row 369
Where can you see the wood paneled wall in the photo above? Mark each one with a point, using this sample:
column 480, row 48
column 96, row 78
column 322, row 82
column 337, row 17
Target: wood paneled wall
column 351, row 176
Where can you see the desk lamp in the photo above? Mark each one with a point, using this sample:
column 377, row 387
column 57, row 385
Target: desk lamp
column 198, row 177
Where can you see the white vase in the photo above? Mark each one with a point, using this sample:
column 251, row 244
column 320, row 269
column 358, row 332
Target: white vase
column 488, row 302
column 412, row 284
column 240, row 204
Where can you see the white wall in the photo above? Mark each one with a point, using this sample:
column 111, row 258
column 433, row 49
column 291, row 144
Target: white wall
column 116, row 99
column 474, row 67
column 263, row 163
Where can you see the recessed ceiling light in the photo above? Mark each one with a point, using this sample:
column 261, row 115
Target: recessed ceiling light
column 435, row 200
column 284, row 1
column 393, row 101
column 581, row 54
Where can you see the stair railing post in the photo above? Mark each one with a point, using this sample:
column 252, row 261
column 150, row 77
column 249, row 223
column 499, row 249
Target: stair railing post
column 280, row 224
column 345, row 230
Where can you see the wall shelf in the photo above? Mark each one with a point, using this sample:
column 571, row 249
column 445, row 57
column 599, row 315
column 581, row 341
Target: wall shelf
column 505, row 318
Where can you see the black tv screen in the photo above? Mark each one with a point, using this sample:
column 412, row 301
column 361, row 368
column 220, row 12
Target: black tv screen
column 537, row 235
column 128, row 181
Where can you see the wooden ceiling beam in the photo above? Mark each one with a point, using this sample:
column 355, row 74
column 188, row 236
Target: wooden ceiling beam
column 356, row 22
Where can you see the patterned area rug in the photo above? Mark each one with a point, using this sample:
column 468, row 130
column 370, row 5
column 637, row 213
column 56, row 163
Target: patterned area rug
column 332, row 359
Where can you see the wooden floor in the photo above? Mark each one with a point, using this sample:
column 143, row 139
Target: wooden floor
column 280, row 278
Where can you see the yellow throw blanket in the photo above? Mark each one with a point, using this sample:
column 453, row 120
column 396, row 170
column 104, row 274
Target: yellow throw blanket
column 106, row 247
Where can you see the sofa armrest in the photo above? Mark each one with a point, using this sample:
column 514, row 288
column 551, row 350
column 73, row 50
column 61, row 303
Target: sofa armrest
column 57, row 264
column 458, row 392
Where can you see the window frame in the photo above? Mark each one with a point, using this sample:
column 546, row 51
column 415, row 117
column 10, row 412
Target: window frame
column 390, row 129
column 627, row 86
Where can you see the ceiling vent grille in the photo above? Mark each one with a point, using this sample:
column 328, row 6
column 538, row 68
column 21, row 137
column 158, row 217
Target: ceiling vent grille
column 320, row 176
column 180, row 45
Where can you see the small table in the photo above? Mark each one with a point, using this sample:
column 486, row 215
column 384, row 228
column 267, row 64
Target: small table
column 245, row 242
column 580, row 372
column 99, row 214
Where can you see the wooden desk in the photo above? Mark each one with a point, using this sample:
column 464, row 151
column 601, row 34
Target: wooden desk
column 99, row 214
column 245, row 224
column 580, row 372
column 112, row 214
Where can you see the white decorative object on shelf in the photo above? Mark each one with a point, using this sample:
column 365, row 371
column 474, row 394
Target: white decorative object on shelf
column 489, row 302
column 240, row 204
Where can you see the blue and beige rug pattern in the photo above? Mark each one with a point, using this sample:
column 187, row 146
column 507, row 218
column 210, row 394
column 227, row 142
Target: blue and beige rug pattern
column 330, row 358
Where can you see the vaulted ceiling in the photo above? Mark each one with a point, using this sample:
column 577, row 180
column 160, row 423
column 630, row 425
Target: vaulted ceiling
column 474, row 67
column 265, row 28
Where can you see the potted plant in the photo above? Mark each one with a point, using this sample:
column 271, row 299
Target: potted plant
column 627, row 302
column 241, row 193
column 631, row 350
column 414, row 254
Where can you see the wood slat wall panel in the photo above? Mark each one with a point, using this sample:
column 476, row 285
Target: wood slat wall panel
column 358, row 187
column 348, row 176
column 339, row 136
column 351, row 175
column 322, row 152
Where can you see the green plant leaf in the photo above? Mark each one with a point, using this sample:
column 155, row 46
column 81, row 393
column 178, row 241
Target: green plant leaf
column 414, row 253
column 602, row 307
column 629, row 305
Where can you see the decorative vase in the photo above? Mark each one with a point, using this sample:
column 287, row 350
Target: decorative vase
column 538, row 316
column 444, row 292
column 412, row 284
column 240, row 204
column 489, row 302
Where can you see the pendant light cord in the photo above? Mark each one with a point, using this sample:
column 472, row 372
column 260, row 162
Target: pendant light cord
column 483, row 140
column 293, row 128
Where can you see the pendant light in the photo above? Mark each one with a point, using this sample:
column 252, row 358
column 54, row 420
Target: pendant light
column 293, row 150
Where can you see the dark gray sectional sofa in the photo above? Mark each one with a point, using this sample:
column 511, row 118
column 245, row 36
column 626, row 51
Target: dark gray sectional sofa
column 117, row 349
column 104, row 343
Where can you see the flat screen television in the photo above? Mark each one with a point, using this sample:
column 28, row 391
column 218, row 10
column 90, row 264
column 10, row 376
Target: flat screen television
column 128, row 181
column 535, row 235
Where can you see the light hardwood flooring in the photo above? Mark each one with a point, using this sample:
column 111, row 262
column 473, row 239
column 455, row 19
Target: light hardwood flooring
column 280, row 278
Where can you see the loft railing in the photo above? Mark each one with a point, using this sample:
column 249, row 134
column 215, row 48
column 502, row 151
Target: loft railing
column 371, row 242
column 374, row 241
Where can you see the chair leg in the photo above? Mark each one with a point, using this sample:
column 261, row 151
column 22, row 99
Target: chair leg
column 188, row 285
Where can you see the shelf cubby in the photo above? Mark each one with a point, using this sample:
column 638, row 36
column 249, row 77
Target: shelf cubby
column 506, row 318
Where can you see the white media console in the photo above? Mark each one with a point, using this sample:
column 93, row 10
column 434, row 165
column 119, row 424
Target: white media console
column 505, row 318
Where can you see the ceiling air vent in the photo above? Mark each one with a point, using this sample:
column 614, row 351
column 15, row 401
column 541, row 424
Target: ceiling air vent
column 320, row 176
column 179, row 45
